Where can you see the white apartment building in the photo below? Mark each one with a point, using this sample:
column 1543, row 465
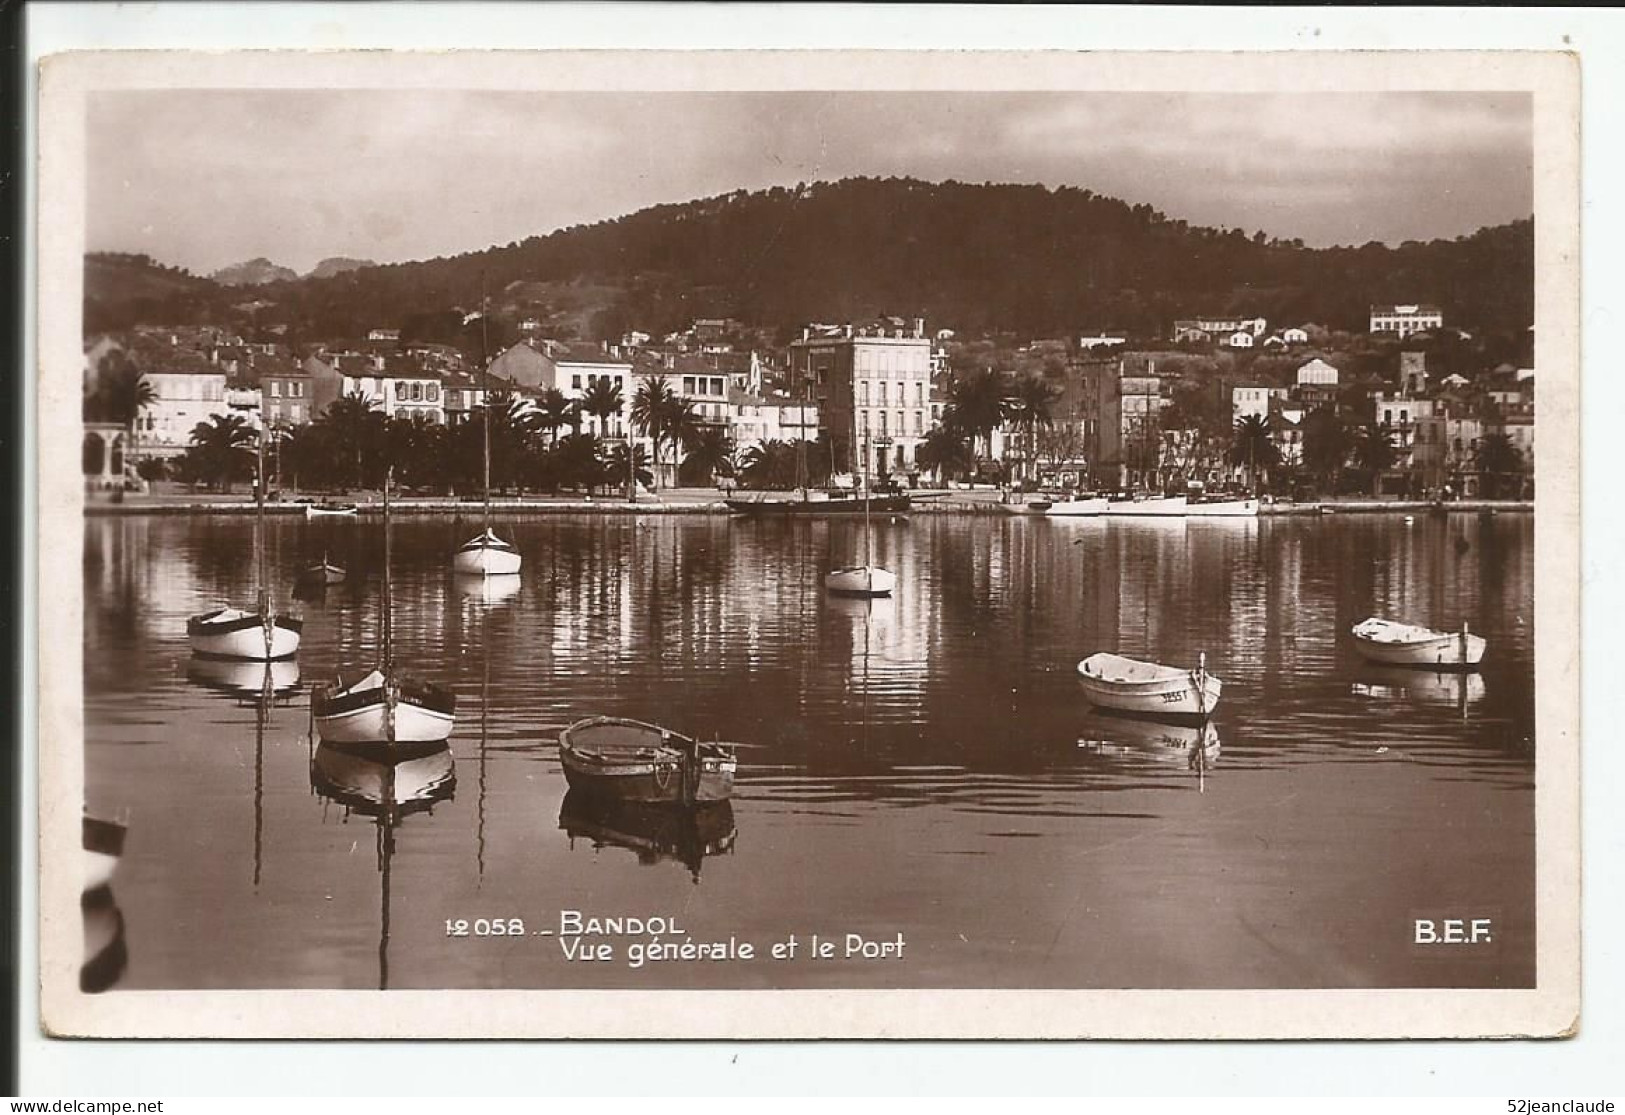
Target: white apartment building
column 1406, row 319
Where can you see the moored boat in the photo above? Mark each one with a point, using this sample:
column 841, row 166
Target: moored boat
column 246, row 636
column 1403, row 644
column 383, row 706
column 1222, row 508
column 487, row 555
column 258, row 636
column 1078, row 507
column 633, row 761
column 322, row 572
column 318, row 510
column 1153, row 507
column 1112, row 681
column 376, row 708
column 820, row 503
column 861, row 580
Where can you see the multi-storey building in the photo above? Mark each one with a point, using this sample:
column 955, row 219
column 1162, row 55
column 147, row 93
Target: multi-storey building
column 1122, row 407
column 873, row 394
column 1405, row 319
column 1253, row 401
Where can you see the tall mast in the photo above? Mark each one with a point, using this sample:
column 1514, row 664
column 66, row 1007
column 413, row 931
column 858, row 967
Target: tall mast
column 868, row 540
column 388, row 624
column 485, row 411
column 262, row 594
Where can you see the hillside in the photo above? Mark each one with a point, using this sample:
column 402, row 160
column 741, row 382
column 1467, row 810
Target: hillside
column 972, row 257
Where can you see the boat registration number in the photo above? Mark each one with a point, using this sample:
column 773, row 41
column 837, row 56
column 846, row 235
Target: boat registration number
column 1173, row 697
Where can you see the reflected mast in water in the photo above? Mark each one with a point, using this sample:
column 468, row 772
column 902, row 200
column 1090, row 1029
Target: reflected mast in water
column 387, row 786
column 652, row 833
column 486, row 554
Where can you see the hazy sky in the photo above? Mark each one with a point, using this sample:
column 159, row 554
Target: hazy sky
column 207, row 178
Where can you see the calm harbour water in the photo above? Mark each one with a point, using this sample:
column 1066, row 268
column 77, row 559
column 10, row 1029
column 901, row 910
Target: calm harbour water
column 924, row 766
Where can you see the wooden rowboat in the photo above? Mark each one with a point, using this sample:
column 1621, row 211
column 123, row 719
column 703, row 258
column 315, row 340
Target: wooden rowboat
column 1149, row 688
column 1404, row 644
column 633, row 761
column 383, row 708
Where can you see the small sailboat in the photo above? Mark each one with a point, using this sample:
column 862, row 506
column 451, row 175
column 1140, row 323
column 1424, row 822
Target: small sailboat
column 1111, row 681
column 629, row 760
column 1402, row 644
column 486, row 554
column 261, row 635
column 383, row 706
column 867, row 579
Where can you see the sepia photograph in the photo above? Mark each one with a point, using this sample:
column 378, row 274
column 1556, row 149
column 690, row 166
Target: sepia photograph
column 841, row 546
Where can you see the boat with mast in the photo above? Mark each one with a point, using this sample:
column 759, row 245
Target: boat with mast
column 486, row 554
column 383, row 707
column 261, row 635
column 867, row 579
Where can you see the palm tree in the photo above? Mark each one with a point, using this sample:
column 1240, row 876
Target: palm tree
column 602, row 399
column 977, row 405
column 770, row 465
column 946, row 452
column 651, row 412
column 636, row 469
column 1325, row 445
column 1030, row 405
column 710, row 454
column 1374, row 452
column 355, row 423
column 1496, row 457
column 122, row 393
column 220, row 451
column 553, row 410
column 1253, row 447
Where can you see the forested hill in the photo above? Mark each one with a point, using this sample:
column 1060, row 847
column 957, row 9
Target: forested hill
column 971, row 257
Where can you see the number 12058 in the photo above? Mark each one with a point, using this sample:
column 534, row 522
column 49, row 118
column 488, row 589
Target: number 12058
column 485, row 927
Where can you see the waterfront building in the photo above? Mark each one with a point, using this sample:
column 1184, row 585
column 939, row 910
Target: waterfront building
column 872, row 391
column 1405, row 319
column 1121, row 407
column 286, row 397
column 754, row 419
column 187, row 389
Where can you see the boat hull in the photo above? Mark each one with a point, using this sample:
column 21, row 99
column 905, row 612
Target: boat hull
column 1172, row 695
column 1392, row 644
column 1077, row 508
column 241, row 636
column 486, row 559
column 1170, row 507
column 864, row 580
column 1224, row 509
column 422, row 713
column 321, row 512
column 839, row 505
column 631, row 761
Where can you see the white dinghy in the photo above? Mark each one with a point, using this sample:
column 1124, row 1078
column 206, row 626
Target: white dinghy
column 867, row 579
column 1111, row 681
column 1404, row 644
column 486, row 555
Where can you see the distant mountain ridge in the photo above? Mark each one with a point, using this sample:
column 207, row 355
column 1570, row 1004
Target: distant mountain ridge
column 1020, row 258
column 337, row 265
column 253, row 272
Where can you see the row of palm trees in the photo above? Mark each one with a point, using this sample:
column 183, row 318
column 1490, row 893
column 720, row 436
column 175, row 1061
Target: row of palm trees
column 979, row 404
column 1330, row 446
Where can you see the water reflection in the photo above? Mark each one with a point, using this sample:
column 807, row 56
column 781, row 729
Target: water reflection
column 388, row 785
column 1453, row 688
column 1120, row 742
column 245, row 681
column 105, row 954
column 652, row 833
column 916, row 761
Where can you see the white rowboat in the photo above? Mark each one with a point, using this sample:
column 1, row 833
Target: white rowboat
column 1404, row 644
column 1148, row 688
column 1223, row 509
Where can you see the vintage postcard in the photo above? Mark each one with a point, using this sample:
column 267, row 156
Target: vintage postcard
column 797, row 545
